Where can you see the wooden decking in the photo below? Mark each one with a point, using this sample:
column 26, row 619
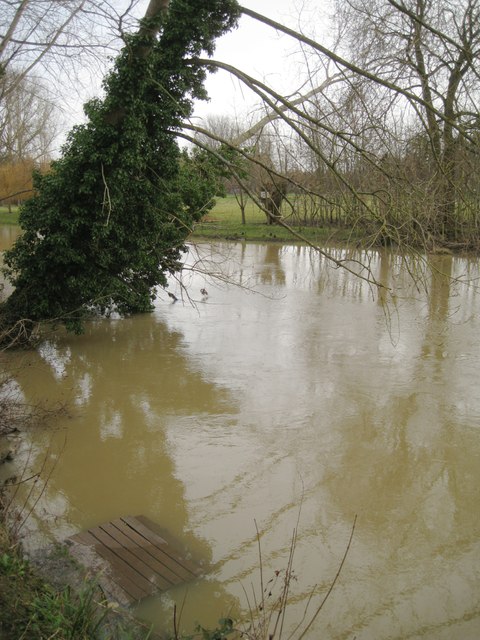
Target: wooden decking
column 138, row 560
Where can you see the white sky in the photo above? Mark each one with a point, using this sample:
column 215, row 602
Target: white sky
column 253, row 47
column 262, row 52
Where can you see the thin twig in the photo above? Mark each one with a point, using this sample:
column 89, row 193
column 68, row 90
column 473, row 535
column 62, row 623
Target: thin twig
column 332, row 585
column 261, row 571
column 106, row 197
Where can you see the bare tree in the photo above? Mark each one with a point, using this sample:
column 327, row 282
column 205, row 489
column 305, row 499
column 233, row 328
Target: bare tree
column 48, row 51
column 215, row 132
column 406, row 76
column 51, row 38
column 254, row 169
column 29, row 121
column 55, row 51
column 431, row 49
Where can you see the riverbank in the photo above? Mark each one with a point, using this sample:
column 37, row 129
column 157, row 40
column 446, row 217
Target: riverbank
column 224, row 222
column 47, row 595
column 8, row 218
column 53, row 597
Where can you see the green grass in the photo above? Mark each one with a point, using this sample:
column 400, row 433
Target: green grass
column 32, row 608
column 8, row 218
column 224, row 222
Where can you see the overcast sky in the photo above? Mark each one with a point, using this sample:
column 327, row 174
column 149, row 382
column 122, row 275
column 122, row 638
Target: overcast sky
column 253, row 47
column 262, row 52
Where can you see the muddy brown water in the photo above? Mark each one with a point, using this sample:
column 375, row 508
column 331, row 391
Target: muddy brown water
column 297, row 400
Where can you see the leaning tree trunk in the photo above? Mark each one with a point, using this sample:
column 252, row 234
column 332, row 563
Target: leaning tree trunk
column 149, row 28
column 107, row 225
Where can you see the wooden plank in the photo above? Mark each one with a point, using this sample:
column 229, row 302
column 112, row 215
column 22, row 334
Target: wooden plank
column 188, row 564
column 150, row 537
column 133, row 591
column 141, row 561
column 144, row 575
column 143, row 526
column 172, row 569
column 129, row 580
column 164, row 578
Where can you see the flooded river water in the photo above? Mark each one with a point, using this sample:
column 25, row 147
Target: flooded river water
column 297, row 399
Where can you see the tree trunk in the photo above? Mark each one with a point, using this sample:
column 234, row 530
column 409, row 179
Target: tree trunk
column 447, row 192
column 242, row 210
column 155, row 7
column 149, row 31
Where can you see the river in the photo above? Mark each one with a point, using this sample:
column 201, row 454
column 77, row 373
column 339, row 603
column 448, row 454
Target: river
column 297, row 398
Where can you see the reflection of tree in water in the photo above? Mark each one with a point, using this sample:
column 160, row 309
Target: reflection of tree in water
column 407, row 467
column 436, row 329
column 373, row 424
column 8, row 234
column 270, row 266
column 125, row 379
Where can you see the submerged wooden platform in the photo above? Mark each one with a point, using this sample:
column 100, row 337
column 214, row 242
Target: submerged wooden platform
column 138, row 560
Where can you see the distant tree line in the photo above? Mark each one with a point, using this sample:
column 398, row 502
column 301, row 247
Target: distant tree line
column 388, row 131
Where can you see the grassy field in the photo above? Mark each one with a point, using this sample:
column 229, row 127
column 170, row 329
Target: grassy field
column 224, row 222
column 8, row 218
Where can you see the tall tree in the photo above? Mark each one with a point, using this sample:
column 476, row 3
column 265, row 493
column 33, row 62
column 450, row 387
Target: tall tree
column 408, row 70
column 109, row 221
column 47, row 38
column 52, row 53
column 431, row 49
column 28, row 120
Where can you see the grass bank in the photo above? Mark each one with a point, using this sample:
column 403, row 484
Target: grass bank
column 34, row 608
column 224, row 222
column 49, row 595
column 8, row 218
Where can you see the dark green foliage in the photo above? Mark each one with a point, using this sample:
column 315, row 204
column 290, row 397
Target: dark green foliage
column 108, row 223
column 200, row 173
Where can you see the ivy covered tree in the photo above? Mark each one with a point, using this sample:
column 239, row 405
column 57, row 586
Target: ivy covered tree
column 109, row 221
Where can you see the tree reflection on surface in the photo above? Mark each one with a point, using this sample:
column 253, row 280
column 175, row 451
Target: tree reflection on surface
column 207, row 418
